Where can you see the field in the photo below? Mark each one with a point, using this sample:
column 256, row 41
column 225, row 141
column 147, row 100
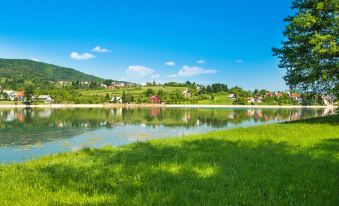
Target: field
column 134, row 91
column 293, row 163
column 218, row 99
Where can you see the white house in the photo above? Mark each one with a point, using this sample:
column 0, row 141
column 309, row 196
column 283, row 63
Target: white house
column 11, row 95
column 45, row 98
column 186, row 93
column 232, row 96
column 328, row 100
column 250, row 100
column 116, row 99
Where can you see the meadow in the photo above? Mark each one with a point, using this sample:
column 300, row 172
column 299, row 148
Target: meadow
column 294, row 163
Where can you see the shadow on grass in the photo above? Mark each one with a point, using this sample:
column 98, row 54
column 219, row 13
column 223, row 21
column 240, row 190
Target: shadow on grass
column 203, row 172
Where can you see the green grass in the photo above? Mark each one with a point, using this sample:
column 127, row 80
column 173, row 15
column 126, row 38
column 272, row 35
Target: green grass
column 218, row 99
column 134, row 91
column 279, row 164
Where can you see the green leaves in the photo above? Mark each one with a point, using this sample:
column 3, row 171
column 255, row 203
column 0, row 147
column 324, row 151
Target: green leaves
column 310, row 53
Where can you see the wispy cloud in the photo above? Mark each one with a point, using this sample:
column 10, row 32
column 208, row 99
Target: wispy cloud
column 139, row 71
column 201, row 61
column 170, row 63
column 239, row 61
column 34, row 59
column 187, row 71
column 100, row 50
column 83, row 56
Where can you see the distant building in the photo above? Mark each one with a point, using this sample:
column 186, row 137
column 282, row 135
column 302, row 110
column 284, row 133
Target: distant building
column 295, row 97
column 110, row 87
column 250, row 100
column 232, row 96
column 328, row 100
column 155, row 100
column 10, row 94
column 45, row 98
column 116, row 99
column 258, row 99
column 20, row 96
column 186, row 93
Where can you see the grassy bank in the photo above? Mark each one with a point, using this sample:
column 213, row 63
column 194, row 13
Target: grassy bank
column 280, row 164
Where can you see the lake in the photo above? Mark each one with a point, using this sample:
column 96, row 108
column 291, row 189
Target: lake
column 30, row 133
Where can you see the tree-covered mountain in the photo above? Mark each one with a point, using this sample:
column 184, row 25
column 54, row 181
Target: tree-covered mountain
column 27, row 70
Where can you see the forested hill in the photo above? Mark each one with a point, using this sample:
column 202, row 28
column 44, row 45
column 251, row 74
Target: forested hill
column 28, row 70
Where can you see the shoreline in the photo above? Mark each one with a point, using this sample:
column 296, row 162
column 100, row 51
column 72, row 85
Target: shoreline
column 3, row 106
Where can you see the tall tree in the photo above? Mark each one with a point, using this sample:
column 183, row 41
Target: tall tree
column 310, row 51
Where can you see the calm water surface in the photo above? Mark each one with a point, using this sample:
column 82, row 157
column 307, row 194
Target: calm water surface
column 30, row 133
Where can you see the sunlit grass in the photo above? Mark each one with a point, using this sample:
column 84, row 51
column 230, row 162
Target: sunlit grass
column 279, row 164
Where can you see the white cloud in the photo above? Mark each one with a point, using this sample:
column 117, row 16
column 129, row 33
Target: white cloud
column 139, row 71
column 187, row 71
column 170, row 63
column 34, row 59
column 239, row 61
column 84, row 56
column 172, row 75
column 201, row 61
column 100, row 50
column 155, row 76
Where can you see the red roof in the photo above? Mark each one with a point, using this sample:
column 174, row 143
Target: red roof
column 295, row 95
column 154, row 98
column 20, row 94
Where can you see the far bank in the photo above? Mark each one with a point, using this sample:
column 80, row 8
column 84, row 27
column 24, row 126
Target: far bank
column 157, row 105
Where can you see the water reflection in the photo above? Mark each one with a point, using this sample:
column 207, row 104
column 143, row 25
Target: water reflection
column 34, row 132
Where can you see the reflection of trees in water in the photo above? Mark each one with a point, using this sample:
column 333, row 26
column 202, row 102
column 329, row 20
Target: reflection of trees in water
column 29, row 126
column 61, row 118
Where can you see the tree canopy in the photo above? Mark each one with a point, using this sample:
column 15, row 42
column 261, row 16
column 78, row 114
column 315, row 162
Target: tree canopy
column 310, row 51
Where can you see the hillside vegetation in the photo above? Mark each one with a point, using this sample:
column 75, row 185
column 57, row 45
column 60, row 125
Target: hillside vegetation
column 22, row 70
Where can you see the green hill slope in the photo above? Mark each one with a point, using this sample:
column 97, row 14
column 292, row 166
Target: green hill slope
column 28, row 70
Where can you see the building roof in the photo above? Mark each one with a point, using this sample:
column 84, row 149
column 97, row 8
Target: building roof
column 154, row 97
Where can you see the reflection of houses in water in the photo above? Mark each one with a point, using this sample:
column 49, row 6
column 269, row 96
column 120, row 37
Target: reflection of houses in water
column 198, row 122
column 10, row 116
column 116, row 112
column 154, row 111
column 295, row 116
column 20, row 117
column 44, row 113
column 250, row 112
column 231, row 115
column 186, row 117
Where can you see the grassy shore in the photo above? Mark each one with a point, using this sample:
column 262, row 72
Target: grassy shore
column 293, row 163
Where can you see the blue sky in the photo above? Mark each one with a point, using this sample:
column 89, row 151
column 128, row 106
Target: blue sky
column 170, row 40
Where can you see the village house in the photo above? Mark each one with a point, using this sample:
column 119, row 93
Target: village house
column 186, row 93
column 232, row 96
column 45, row 98
column 250, row 100
column 155, row 99
column 295, row 97
column 268, row 94
column 116, row 100
column 20, row 96
column 278, row 94
column 10, row 94
column 258, row 99
column 328, row 100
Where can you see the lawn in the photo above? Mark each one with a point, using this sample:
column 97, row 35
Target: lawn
column 134, row 91
column 221, row 98
column 293, row 163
